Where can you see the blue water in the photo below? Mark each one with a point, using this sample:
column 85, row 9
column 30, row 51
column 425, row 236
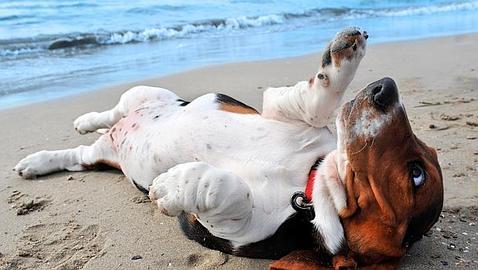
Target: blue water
column 54, row 48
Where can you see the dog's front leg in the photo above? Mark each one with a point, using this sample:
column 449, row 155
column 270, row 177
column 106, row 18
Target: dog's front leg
column 221, row 200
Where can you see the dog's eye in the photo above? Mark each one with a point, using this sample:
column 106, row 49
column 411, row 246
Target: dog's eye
column 354, row 47
column 417, row 174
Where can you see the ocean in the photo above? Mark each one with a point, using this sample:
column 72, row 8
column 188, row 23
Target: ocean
column 55, row 48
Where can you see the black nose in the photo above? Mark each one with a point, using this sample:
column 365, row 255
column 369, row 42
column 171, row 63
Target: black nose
column 383, row 92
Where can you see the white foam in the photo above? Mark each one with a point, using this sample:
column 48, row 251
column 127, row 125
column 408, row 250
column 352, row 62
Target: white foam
column 185, row 30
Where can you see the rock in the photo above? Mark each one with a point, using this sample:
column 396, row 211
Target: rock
column 136, row 257
column 451, row 246
column 446, row 117
column 72, row 42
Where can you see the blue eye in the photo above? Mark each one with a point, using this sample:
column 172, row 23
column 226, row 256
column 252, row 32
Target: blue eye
column 417, row 174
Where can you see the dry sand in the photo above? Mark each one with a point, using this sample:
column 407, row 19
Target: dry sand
column 97, row 220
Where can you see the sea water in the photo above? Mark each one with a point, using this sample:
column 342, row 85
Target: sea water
column 55, row 48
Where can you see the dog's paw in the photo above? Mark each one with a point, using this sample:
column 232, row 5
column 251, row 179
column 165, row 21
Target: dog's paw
column 165, row 194
column 84, row 124
column 185, row 187
column 33, row 165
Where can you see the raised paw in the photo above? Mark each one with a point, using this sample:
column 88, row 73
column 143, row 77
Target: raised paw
column 163, row 195
column 85, row 123
column 170, row 188
column 35, row 164
column 195, row 187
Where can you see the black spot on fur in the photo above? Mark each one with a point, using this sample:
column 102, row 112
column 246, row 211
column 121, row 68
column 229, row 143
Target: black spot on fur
column 326, row 57
column 197, row 232
column 225, row 99
column 296, row 233
column 293, row 234
column 182, row 102
column 352, row 31
column 340, row 45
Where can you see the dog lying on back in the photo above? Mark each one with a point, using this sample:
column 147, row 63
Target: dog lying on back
column 229, row 173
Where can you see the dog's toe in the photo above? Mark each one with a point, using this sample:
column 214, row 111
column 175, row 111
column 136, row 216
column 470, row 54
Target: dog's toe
column 84, row 123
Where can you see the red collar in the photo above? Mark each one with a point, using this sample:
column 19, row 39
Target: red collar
column 310, row 182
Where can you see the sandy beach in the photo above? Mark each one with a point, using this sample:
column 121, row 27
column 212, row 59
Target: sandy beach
column 97, row 220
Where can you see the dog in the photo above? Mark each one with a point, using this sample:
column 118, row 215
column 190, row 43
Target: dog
column 240, row 155
column 229, row 173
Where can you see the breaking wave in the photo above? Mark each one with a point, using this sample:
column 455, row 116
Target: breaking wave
column 45, row 43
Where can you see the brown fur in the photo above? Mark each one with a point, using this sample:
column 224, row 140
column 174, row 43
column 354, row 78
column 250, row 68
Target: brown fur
column 347, row 52
column 307, row 260
column 101, row 163
column 237, row 109
column 230, row 104
column 379, row 184
column 382, row 186
column 384, row 207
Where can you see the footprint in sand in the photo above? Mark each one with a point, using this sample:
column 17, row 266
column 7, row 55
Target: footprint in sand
column 25, row 204
column 55, row 246
column 209, row 259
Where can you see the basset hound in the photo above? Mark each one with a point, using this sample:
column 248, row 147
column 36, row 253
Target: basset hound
column 229, row 173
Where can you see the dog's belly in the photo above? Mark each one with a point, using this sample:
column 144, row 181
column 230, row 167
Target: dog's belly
column 154, row 139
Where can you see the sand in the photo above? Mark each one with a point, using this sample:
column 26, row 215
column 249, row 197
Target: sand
column 97, row 220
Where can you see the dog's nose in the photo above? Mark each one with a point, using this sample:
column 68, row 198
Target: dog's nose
column 365, row 34
column 383, row 92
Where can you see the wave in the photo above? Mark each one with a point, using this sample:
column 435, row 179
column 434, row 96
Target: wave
column 25, row 46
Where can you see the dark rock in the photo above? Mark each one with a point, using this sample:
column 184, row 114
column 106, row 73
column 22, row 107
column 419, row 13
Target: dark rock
column 136, row 257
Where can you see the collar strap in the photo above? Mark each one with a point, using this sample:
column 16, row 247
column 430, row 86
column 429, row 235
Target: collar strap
column 302, row 201
column 310, row 182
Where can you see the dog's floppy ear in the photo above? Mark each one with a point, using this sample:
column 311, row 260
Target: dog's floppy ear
column 351, row 198
column 308, row 260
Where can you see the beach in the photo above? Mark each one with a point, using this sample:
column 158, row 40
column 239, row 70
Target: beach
column 98, row 220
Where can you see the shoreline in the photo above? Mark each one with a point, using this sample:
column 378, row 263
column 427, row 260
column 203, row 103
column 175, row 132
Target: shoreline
column 153, row 78
column 98, row 220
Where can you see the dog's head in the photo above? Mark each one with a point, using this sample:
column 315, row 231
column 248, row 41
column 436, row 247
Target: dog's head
column 393, row 180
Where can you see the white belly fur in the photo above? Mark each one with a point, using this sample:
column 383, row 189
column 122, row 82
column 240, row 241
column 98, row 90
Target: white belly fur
column 272, row 157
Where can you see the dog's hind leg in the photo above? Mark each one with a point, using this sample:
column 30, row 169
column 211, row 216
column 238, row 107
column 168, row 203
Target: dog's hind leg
column 75, row 159
column 131, row 100
column 221, row 200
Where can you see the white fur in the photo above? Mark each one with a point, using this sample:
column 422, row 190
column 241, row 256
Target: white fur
column 315, row 101
column 329, row 198
column 270, row 157
column 370, row 123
